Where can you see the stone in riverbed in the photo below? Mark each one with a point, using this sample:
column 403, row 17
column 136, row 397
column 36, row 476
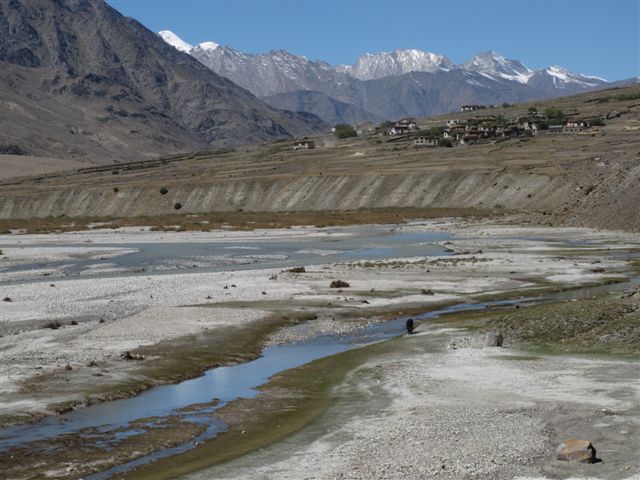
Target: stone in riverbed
column 409, row 325
column 493, row 339
column 575, row 450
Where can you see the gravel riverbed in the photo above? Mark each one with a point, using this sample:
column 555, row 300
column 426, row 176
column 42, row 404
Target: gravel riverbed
column 445, row 408
column 462, row 412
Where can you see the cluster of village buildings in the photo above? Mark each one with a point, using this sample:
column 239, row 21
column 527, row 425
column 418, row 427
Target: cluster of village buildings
column 479, row 128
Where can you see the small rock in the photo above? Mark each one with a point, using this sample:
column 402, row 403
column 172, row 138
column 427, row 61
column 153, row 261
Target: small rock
column 338, row 284
column 129, row 356
column 493, row 339
column 297, row 270
column 575, row 450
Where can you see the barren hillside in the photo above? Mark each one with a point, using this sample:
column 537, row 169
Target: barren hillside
column 590, row 178
column 79, row 80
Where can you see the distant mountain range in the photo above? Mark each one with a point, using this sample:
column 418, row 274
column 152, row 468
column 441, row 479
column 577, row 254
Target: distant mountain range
column 384, row 85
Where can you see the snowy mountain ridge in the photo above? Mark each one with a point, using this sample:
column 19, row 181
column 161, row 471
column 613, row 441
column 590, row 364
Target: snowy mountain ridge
column 386, row 85
column 497, row 66
column 371, row 66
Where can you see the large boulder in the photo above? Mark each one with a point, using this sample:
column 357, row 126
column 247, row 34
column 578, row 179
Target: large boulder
column 575, row 450
column 493, row 339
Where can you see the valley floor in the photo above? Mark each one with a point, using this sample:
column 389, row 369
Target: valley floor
column 432, row 404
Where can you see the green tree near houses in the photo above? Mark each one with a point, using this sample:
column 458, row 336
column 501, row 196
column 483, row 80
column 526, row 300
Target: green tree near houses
column 555, row 116
column 342, row 130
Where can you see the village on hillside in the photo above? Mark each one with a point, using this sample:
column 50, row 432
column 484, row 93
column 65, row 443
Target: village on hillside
column 481, row 128
column 486, row 127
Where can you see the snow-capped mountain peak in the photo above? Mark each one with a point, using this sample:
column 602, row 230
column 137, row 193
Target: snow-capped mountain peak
column 498, row 66
column 384, row 64
column 208, row 45
column 566, row 75
column 175, row 41
column 561, row 78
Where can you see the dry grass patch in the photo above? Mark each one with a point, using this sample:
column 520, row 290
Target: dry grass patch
column 241, row 220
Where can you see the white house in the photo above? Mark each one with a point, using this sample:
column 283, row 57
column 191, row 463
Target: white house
column 426, row 142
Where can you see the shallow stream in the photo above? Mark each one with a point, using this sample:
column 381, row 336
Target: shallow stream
column 334, row 245
column 109, row 422
column 225, row 384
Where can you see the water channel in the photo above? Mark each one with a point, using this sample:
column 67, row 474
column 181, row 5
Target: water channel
column 226, row 384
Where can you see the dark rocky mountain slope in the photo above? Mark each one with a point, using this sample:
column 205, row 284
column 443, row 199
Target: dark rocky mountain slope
column 329, row 109
column 416, row 94
column 77, row 79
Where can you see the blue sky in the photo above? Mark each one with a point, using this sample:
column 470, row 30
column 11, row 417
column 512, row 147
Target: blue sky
column 594, row 37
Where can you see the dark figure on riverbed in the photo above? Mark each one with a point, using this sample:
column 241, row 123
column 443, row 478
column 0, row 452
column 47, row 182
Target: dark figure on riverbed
column 410, row 326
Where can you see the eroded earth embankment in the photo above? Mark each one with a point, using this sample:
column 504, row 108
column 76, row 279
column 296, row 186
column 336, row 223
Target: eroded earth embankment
column 604, row 197
column 330, row 192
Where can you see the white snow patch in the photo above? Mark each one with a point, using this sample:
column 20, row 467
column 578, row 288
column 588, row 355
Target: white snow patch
column 175, row 41
column 208, row 45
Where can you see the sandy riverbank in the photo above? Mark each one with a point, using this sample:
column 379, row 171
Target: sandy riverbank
column 440, row 405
